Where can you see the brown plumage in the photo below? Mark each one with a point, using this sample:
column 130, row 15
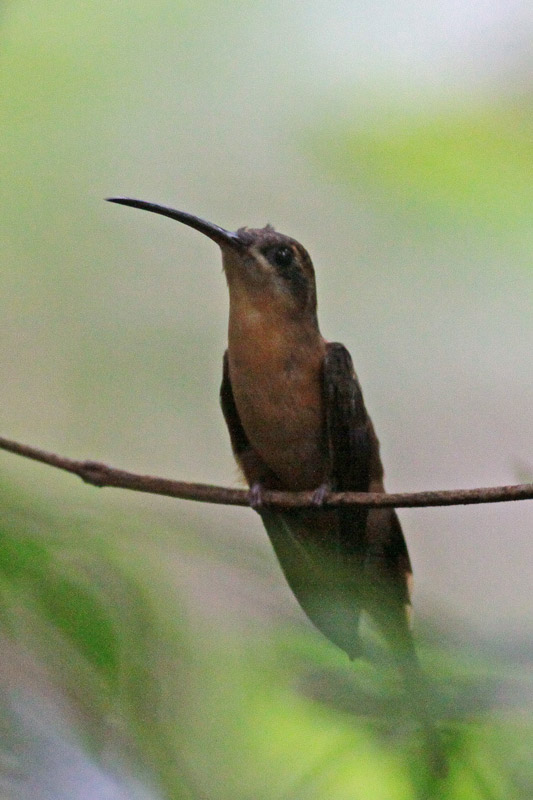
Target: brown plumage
column 297, row 420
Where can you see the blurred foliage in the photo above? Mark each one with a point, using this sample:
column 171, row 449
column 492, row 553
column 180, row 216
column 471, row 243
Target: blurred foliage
column 469, row 164
column 206, row 713
column 108, row 347
column 89, row 622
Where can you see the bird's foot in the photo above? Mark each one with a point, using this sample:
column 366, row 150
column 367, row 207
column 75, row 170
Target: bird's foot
column 255, row 496
column 320, row 494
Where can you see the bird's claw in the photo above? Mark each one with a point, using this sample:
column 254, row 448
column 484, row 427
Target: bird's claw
column 320, row 494
column 255, row 496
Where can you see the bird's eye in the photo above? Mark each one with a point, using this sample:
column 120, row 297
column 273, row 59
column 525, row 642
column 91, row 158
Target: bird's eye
column 283, row 257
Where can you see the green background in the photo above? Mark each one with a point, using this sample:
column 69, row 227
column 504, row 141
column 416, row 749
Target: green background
column 396, row 142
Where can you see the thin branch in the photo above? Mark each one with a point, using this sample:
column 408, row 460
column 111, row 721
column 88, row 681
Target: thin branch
column 99, row 474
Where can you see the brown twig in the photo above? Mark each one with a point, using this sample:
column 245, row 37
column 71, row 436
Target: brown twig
column 101, row 475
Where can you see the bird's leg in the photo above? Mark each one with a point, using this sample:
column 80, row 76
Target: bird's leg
column 320, row 494
column 255, row 495
column 259, row 476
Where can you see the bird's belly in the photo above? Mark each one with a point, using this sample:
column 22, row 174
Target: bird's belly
column 281, row 413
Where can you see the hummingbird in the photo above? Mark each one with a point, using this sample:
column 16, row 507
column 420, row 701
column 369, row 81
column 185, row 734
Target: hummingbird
column 297, row 421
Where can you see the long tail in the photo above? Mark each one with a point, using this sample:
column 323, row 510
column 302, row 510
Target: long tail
column 421, row 701
column 420, row 696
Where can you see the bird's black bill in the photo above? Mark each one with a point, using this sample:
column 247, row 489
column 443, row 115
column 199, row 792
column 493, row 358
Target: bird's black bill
column 219, row 235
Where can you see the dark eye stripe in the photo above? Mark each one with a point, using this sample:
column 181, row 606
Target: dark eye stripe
column 287, row 265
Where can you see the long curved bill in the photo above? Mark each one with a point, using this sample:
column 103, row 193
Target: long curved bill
column 219, row 235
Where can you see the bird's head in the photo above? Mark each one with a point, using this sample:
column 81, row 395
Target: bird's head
column 261, row 265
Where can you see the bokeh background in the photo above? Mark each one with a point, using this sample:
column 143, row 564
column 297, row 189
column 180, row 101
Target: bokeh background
column 150, row 647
